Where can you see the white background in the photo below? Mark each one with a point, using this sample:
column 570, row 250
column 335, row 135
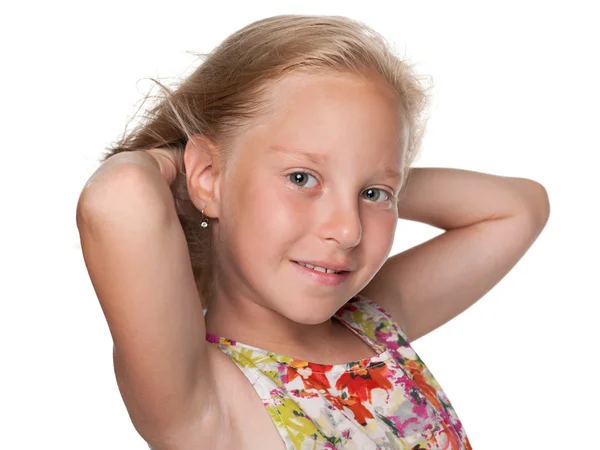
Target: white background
column 516, row 93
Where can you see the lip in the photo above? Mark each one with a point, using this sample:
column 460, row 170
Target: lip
column 337, row 268
column 327, row 279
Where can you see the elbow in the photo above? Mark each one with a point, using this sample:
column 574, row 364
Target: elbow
column 534, row 200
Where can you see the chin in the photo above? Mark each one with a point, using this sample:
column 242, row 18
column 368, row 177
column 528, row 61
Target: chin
column 309, row 314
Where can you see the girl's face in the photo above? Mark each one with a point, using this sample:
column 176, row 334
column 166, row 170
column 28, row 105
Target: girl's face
column 316, row 180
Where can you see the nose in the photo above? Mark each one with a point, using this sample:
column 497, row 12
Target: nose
column 340, row 222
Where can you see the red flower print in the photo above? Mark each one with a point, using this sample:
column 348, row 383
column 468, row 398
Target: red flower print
column 313, row 375
column 361, row 382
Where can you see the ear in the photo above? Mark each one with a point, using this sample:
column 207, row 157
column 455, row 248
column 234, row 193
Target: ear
column 203, row 169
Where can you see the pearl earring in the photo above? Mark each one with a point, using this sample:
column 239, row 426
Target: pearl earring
column 204, row 223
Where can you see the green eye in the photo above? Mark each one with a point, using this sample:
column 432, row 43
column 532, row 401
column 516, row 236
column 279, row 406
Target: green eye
column 300, row 179
column 376, row 195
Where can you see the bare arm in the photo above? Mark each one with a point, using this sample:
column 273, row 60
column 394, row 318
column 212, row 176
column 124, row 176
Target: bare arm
column 138, row 261
column 490, row 223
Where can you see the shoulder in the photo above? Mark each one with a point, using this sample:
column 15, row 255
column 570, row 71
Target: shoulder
column 373, row 319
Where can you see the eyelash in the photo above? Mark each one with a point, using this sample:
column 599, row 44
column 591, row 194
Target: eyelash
column 390, row 196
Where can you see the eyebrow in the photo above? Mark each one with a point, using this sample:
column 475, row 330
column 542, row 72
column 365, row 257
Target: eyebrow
column 318, row 158
column 315, row 158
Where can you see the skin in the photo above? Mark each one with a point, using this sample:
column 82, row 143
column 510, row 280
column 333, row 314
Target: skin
column 260, row 222
column 343, row 210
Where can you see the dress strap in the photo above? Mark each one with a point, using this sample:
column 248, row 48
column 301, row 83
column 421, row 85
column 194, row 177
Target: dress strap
column 374, row 321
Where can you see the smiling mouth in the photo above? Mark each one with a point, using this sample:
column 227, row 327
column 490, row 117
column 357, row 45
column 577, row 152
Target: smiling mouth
column 320, row 269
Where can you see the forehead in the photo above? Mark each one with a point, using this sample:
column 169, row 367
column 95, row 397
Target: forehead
column 329, row 113
column 342, row 93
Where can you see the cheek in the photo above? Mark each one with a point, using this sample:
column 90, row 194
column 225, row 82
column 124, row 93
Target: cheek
column 266, row 213
column 378, row 236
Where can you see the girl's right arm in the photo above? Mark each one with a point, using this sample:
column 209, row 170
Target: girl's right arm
column 138, row 261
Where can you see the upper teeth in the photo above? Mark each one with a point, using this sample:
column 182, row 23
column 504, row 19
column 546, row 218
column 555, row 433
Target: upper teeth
column 317, row 268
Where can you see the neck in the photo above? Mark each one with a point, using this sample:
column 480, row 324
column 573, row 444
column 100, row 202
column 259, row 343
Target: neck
column 255, row 325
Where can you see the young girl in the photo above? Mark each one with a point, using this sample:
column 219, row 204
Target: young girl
column 267, row 188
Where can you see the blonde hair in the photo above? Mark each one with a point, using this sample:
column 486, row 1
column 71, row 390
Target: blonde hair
column 230, row 87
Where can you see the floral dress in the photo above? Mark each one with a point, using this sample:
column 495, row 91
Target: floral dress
column 388, row 401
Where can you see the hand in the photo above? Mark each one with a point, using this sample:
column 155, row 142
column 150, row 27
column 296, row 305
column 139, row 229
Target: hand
column 166, row 162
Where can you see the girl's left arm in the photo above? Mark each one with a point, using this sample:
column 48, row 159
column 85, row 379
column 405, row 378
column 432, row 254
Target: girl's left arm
column 489, row 221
